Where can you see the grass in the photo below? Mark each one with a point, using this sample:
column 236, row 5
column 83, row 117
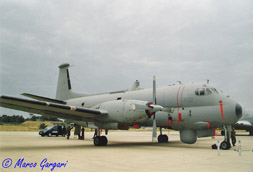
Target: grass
column 25, row 126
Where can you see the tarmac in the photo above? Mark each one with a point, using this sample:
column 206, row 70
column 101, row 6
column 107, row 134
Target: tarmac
column 126, row 151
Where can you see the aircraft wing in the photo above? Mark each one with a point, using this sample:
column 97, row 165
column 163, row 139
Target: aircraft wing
column 244, row 122
column 40, row 98
column 51, row 109
column 243, row 125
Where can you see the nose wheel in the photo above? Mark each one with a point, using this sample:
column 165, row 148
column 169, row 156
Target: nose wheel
column 225, row 145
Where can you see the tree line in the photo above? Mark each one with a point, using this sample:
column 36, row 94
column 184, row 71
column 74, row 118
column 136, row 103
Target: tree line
column 17, row 119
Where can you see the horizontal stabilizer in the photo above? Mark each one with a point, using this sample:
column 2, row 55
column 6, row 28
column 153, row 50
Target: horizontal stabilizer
column 40, row 98
column 51, row 109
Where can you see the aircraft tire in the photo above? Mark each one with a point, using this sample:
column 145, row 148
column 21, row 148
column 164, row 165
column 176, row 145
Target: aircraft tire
column 100, row 141
column 225, row 145
column 97, row 141
column 166, row 139
column 163, row 139
column 104, row 140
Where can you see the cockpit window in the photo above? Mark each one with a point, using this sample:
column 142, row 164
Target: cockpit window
column 214, row 90
column 205, row 91
column 208, row 91
column 201, row 91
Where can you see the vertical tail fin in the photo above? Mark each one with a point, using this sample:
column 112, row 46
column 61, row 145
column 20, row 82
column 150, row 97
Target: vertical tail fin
column 64, row 85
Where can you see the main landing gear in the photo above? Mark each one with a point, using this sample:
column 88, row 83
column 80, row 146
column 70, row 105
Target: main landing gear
column 99, row 140
column 162, row 138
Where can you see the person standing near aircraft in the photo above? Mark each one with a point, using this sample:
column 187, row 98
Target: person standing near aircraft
column 233, row 136
column 83, row 132
column 64, row 130
column 68, row 131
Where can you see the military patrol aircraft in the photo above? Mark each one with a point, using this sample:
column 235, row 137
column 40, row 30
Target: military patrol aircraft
column 196, row 110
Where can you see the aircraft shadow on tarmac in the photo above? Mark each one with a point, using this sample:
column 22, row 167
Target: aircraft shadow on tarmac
column 172, row 144
column 111, row 144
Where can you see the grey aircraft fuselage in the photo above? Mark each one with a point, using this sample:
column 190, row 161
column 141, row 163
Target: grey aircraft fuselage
column 198, row 104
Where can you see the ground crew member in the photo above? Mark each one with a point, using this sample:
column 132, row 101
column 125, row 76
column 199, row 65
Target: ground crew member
column 64, row 132
column 233, row 136
column 68, row 131
column 83, row 132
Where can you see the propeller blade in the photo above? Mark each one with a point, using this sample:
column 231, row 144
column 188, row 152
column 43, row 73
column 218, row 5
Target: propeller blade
column 154, row 134
column 154, row 90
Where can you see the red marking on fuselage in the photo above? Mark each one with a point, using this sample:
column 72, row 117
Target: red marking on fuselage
column 179, row 117
column 208, row 125
column 221, row 109
column 179, row 114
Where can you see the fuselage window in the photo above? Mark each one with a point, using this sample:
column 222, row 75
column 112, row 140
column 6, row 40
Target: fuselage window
column 203, row 91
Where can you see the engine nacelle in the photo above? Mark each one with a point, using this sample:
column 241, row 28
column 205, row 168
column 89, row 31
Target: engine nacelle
column 128, row 111
column 188, row 136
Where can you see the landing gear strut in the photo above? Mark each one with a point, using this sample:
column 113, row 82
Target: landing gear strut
column 162, row 138
column 99, row 140
column 225, row 145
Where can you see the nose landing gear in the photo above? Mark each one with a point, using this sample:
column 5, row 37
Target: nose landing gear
column 225, row 145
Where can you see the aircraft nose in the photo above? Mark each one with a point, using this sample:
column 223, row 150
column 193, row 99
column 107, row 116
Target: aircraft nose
column 238, row 110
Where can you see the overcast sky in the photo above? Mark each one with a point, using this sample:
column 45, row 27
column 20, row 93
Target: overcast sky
column 112, row 43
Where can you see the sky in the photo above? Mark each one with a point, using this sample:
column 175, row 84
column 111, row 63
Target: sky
column 112, row 43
